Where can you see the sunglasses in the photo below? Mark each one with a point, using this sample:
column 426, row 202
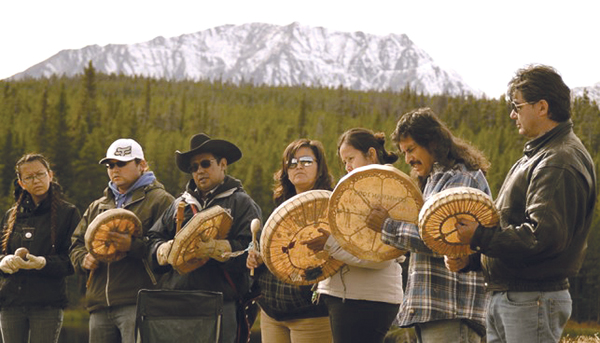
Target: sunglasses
column 305, row 161
column 120, row 164
column 204, row 164
column 517, row 107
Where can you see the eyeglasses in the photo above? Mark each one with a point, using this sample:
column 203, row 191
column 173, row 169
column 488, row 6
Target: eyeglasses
column 204, row 164
column 120, row 164
column 39, row 176
column 305, row 161
column 517, row 107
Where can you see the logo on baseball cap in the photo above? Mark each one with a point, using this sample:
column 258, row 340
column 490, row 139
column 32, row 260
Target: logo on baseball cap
column 123, row 149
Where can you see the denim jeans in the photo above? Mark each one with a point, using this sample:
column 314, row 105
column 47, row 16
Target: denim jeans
column 446, row 331
column 516, row 317
column 113, row 325
column 40, row 324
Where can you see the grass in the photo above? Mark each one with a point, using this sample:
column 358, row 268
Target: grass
column 574, row 332
column 586, row 332
column 76, row 318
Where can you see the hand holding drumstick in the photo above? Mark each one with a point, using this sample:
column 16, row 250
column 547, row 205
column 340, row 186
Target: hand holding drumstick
column 254, row 227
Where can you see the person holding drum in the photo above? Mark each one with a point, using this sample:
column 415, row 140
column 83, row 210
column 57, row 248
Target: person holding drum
column 112, row 289
column 546, row 204
column 288, row 313
column 36, row 234
column 209, row 188
column 441, row 305
column 364, row 296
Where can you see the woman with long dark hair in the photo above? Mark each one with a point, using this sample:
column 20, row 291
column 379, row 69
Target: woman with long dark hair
column 33, row 288
column 287, row 311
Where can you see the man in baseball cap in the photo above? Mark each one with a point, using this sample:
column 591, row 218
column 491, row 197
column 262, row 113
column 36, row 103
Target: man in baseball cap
column 112, row 291
column 124, row 150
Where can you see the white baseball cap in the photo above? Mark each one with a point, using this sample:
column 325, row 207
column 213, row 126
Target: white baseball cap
column 123, row 149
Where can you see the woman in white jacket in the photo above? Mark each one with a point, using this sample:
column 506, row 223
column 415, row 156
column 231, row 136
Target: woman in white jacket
column 364, row 296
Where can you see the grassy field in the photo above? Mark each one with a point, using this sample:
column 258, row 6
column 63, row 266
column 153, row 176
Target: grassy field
column 573, row 333
column 581, row 332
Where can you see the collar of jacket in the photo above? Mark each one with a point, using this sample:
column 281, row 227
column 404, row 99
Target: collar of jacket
column 28, row 205
column 139, row 194
column 534, row 145
column 229, row 186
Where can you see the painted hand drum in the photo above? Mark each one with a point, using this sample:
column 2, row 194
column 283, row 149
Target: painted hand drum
column 213, row 222
column 442, row 210
column 298, row 219
column 357, row 194
column 97, row 240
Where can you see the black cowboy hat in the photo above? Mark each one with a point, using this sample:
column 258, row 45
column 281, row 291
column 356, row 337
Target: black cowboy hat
column 201, row 143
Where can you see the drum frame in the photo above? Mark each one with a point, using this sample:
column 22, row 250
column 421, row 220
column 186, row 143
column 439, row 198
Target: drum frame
column 292, row 222
column 351, row 202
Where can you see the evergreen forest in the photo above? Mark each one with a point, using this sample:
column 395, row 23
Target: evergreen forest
column 72, row 121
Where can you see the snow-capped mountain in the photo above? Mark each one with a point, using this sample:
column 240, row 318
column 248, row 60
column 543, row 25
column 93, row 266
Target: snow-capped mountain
column 269, row 54
column 593, row 92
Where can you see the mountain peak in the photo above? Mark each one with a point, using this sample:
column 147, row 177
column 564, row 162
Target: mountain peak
column 294, row 54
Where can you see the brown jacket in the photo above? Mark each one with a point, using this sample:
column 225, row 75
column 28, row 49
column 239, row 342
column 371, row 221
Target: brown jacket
column 118, row 283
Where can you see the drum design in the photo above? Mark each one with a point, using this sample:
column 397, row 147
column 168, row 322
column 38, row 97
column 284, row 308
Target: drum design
column 97, row 241
column 213, row 222
column 298, row 219
column 442, row 210
column 355, row 196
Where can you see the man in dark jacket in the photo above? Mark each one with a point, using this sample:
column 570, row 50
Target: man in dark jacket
column 546, row 205
column 112, row 289
column 207, row 162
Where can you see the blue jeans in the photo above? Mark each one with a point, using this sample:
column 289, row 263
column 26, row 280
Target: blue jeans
column 516, row 317
column 31, row 324
column 113, row 325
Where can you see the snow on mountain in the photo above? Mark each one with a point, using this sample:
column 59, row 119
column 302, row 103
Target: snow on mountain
column 269, row 54
column 593, row 92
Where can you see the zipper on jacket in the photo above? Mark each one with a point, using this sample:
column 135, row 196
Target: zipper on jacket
column 149, row 271
column 107, row 283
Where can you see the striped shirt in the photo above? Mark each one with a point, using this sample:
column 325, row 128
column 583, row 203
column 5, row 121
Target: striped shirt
column 432, row 291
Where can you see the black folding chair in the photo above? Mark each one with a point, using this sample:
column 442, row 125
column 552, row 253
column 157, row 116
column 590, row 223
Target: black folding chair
column 165, row 316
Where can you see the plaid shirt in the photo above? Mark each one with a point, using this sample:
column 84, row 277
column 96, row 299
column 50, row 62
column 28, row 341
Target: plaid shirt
column 432, row 291
column 282, row 301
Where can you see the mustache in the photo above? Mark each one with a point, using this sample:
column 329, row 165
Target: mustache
column 414, row 163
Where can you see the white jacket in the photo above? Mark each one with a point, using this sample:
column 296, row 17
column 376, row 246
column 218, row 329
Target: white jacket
column 362, row 279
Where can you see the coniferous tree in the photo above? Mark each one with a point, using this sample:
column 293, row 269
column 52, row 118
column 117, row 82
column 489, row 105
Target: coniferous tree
column 302, row 132
column 89, row 109
column 43, row 132
column 59, row 144
column 8, row 157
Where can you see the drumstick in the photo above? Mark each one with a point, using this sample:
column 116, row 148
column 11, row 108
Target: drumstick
column 89, row 280
column 254, row 227
column 179, row 218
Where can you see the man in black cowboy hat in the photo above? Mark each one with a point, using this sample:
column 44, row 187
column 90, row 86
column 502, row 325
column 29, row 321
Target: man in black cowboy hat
column 207, row 162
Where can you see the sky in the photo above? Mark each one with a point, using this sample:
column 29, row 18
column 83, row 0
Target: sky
column 484, row 41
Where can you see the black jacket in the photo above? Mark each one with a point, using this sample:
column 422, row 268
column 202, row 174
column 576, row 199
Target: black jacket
column 47, row 286
column 546, row 205
column 211, row 276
